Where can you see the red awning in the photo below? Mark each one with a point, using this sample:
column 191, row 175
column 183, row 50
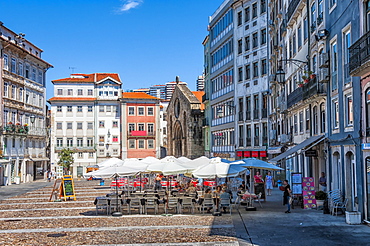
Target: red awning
column 138, row 133
column 255, row 153
column 263, row 154
column 247, row 154
column 239, row 153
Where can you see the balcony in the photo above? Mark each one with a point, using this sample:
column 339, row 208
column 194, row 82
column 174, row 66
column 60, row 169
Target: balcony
column 75, row 148
column 359, row 56
column 14, row 129
column 295, row 6
column 309, row 90
column 141, row 133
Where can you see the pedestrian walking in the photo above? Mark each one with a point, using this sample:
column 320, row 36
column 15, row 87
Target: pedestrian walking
column 287, row 195
column 269, row 183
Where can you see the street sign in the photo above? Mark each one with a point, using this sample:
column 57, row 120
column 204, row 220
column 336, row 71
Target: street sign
column 310, row 153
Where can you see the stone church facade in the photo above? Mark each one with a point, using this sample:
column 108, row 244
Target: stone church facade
column 185, row 114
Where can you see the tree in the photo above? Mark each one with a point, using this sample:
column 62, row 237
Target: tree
column 66, row 159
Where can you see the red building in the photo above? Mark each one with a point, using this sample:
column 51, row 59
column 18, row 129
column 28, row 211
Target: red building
column 140, row 125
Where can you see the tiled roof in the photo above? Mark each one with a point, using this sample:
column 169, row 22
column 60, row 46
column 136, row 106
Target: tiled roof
column 198, row 95
column 94, row 77
column 72, row 99
column 137, row 95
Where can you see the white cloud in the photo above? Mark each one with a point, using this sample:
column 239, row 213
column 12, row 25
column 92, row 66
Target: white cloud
column 130, row 4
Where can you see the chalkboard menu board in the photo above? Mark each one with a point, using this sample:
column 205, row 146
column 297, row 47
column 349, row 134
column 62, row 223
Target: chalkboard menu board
column 68, row 187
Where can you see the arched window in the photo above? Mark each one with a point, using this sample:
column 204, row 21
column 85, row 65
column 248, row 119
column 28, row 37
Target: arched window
column 315, row 120
column 322, row 118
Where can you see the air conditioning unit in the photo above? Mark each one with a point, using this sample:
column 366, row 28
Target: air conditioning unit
column 323, row 60
column 324, row 75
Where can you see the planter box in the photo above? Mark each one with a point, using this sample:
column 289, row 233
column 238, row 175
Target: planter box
column 353, row 218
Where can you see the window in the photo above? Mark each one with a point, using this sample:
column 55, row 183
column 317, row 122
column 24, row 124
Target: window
column 6, row 90
column 69, row 125
column 294, row 43
column 254, row 10
column 89, row 108
column 247, row 14
column 89, row 92
column 301, row 121
column 305, row 29
column 295, row 124
column 13, row 65
column 114, row 124
column 69, row 142
column 59, row 142
column 131, row 144
column 131, row 110
column 79, row 108
column 263, row 6
column 322, row 118
column 115, row 151
column 20, row 69
column 299, row 32
column 313, row 17
column 151, row 128
column 79, row 125
column 320, row 15
column 90, row 142
column 101, row 139
column 240, row 18
column 131, row 127
column 141, row 143
column 91, row 154
column 349, row 110
column 140, row 111
column 240, row 74
column 347, row 44
column 335, row 114
column 27, row 71
column 59, row 125
column 101, row 152
column 150, row 110
column 114, row 139
column 247, row 43
column 255, row 39
column 59, row 108
column 140, row 127
column 240, row 46
column 108, row 108
column 264, row 67
column 90, row 125
column 248, row 71
column 69, row 108
column 80, row 154
column 40, row 76
column 334, row 65
column 6, row 62
column 314, row 63
column 263, row 36
column 70, row 92
column 150, row 144
column 315, row 120
column 308, row 119
column 101, row 123
column 255, row 69
column 79, row 142
column 79, row 92
column 101, row 108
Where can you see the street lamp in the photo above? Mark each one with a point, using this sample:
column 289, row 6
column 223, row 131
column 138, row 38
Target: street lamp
column 32, row 118
column 280, row 75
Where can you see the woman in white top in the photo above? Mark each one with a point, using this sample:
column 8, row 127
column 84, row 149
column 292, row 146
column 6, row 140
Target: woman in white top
column 269, row 183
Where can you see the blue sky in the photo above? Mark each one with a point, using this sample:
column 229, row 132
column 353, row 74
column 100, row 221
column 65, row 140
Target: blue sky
column 147, row 42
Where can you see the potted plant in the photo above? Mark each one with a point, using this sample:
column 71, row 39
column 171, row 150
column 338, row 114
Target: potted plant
column 320, row 198
column 305, row 79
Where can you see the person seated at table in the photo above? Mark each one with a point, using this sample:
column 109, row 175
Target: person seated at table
column 243, row 187
column 224, row 185
column 191, row 188
column 207, row 195
column 158, row 185
column 217, row 192
column 225, row 195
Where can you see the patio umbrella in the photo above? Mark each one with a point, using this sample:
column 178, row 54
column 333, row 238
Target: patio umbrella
column 110, row 162
column 169, row 166
column 111, row 172
column 216, row 168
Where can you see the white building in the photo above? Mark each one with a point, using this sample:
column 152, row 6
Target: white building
column 85, row 117
column 23, row 120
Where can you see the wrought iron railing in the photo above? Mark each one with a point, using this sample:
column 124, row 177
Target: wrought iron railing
column 359, row 52
column 292, row 7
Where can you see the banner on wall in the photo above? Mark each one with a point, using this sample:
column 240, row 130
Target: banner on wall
column 308, row 187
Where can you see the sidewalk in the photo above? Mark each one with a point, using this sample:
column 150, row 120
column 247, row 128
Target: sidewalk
column 271, row 226
column 15, row 190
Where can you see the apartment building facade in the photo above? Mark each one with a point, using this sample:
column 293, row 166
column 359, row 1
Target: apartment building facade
column 251, row 80
column 23, row 121
column 86, row 118
column 221, row 81
column 140, row 125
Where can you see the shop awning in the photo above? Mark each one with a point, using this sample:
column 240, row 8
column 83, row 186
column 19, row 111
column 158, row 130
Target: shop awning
column 304, row 144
